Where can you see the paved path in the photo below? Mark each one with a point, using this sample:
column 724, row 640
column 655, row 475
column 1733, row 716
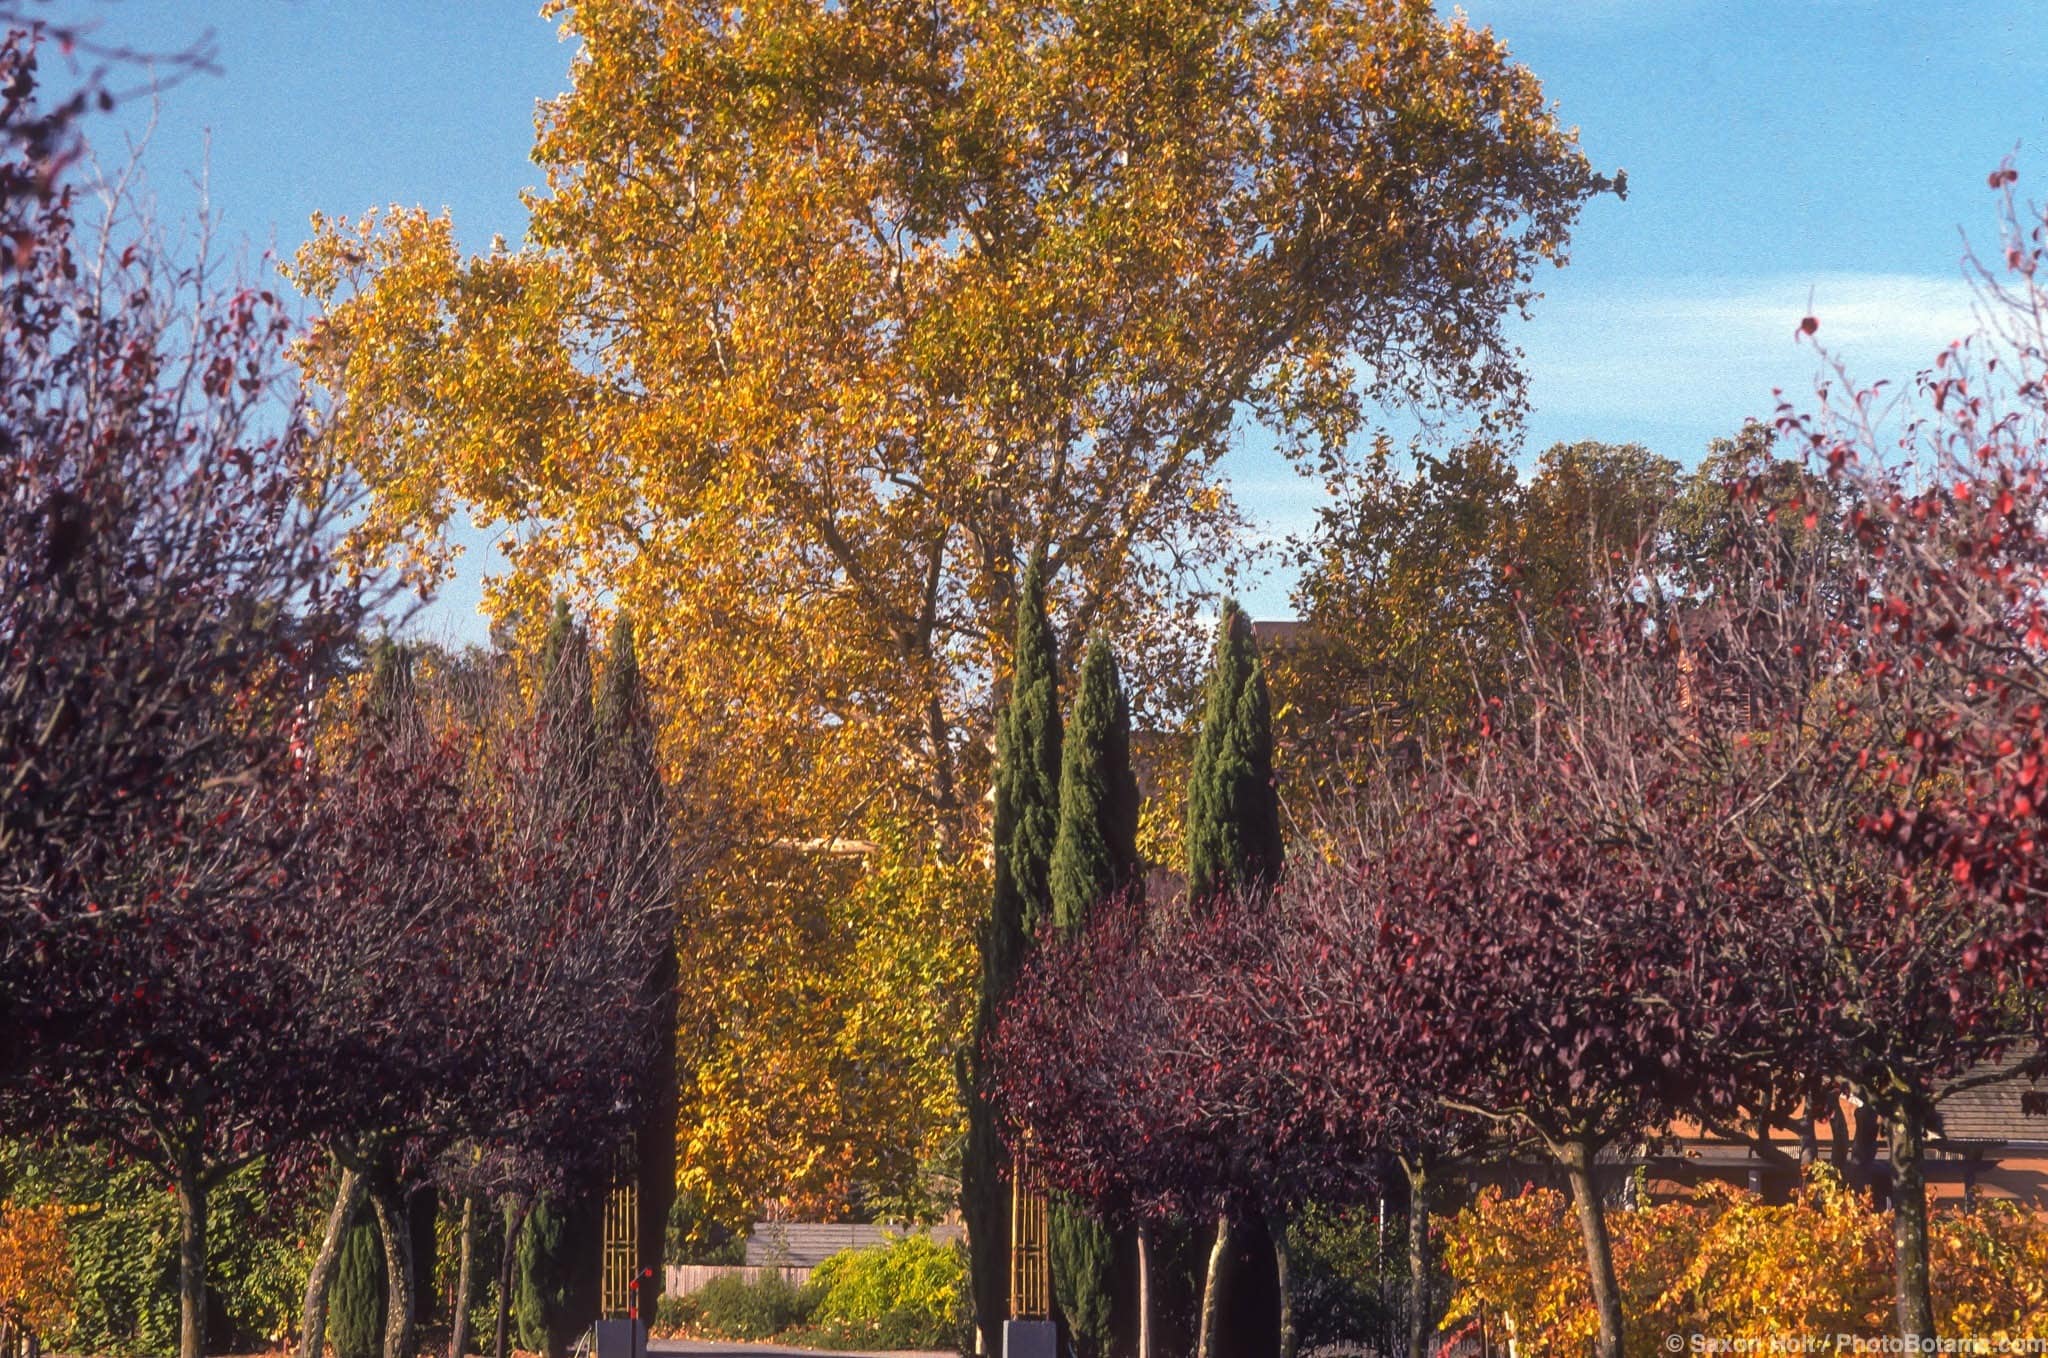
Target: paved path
column 718, row 1348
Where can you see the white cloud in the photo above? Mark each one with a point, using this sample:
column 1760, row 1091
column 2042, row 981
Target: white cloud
column 1684, row 361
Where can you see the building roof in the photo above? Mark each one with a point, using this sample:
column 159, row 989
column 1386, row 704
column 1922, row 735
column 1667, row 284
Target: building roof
column 2008, row 1111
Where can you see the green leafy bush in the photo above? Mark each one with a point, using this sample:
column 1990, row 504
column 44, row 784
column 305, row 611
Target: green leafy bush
column 1345, row 1291
column 734, row 1308
column 906, row 1294
column 677, row 1315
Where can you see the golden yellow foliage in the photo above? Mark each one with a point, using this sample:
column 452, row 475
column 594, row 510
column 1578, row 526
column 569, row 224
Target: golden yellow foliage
column 1723, row 1263
column 830, row 314
column 35, row 1268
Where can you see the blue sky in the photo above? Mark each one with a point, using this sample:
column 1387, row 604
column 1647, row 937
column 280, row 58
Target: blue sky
column 1822, row 154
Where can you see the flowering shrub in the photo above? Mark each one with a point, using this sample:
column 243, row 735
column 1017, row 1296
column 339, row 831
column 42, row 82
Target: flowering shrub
column 1723, row 1262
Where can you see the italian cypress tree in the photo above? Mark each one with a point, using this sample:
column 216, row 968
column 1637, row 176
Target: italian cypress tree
column 1233, row 844
column 1095, row 853
column 555, row 1295
column 1233, row 821
column 564, row 695
column 1094, row 856
column 625, row 731
column 559, row 1266
column 1026, row 824
column 355, row 1315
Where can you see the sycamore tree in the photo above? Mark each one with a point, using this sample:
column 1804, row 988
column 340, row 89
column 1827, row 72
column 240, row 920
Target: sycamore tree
column 828, row 315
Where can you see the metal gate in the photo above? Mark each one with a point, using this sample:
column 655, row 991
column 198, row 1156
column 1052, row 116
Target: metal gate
column 619, row 1295
column 1030, row 1252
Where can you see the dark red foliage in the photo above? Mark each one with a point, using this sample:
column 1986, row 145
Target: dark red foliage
column 167, row 602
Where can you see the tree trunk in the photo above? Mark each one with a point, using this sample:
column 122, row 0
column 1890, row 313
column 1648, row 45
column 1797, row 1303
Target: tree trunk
column 191, row 1188
column 1212, row 1289
column 396, row 1231
column 1283, row 1278
column 458, row 1323
column 348, row 1197
column 1863, row 1155
column 515, row 1221
column 1909, row 1226
column 1418, row 1258
column 1144, row 1292
column 423, row 1229
column 1578, row 1164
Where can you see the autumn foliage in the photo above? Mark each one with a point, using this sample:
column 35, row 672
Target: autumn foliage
column 35, row 1269
column 827, row 319
column 1743, row 822
column 1719, row 1261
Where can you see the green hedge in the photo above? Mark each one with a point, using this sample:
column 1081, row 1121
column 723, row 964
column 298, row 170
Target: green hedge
column 736, row 1308
column 355, row 1308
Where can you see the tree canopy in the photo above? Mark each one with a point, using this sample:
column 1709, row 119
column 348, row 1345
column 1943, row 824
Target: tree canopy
column 828, row 315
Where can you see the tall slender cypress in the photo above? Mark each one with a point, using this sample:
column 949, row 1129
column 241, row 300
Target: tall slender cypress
column 1233, row 844
column 1026, row 824
column 355, row 1317
column 1233, row 823
column 1096, row 851
column 563, row 698
column 558, row 1264
column 1094, row 856
column 625, row 732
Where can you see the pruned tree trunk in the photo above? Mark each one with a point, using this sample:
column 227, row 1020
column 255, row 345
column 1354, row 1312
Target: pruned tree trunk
column 1212, row 1289
column 1418, row 1258
column 348, row 1197
column 1283, row 1278
column 191, row 1189
column 515, row 1221
column 1909, row 1226
column 1144, row 1292
column 458, row 1323
column 396, row 1232
column 1578, row 1165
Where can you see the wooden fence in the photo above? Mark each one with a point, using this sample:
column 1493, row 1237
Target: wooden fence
column 793, row 1248
column 683, row 1279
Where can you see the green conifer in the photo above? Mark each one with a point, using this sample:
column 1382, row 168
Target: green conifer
column 1233, row 843
column 355, row 1310
column 1094, row 856
column 1026, row 824
column 1096, row 851
column 625, row 732
column 1233, row 820
column 559, row 1260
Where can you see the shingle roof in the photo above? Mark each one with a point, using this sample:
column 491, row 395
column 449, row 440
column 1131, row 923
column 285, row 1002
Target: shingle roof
column 2013, row 1110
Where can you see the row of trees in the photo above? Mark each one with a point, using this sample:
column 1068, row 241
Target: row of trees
column 258, row 899
column 1066, row 841
column 1742, row 825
